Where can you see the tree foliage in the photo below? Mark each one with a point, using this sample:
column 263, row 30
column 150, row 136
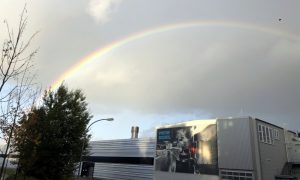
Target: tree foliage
column 49, row 139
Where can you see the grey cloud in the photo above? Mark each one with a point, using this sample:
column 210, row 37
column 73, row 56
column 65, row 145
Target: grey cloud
column 222, row 72
column 219, row 71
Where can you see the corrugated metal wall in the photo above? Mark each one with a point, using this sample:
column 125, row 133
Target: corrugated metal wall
column 143, row 147
column 123, row 171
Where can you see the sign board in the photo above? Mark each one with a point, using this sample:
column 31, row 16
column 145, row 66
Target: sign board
column 188, row 148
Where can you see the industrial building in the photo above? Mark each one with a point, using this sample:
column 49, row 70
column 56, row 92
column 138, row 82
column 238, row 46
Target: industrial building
column 122, row 158
column 242, row 148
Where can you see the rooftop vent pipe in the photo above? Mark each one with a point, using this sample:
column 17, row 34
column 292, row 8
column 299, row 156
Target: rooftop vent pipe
column 134, row 132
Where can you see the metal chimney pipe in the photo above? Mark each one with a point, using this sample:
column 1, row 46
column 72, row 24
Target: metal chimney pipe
column 137, row 132
column 134, row 132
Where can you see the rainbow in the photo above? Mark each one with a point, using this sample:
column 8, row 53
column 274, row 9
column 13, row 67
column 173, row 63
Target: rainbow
column 152, row 31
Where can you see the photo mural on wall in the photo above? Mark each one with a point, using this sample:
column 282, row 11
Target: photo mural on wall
column 187, row 149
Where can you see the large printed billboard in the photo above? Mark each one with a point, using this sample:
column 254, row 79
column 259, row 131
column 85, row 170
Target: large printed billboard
column 190, row 148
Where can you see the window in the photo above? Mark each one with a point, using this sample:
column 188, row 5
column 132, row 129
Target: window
column 260, row 134
column 276, row 134
column 265, row 134
column 235, row 174
column 270, row 135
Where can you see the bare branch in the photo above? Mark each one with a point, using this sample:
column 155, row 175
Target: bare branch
column 17, row 92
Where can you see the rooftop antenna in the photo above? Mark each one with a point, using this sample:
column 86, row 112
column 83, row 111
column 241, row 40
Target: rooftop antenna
column 241, row 113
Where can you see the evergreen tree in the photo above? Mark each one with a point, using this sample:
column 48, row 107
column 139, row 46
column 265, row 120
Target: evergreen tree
column 49, row 139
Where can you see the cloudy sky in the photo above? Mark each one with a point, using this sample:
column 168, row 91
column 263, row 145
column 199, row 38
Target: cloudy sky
column 238, row 60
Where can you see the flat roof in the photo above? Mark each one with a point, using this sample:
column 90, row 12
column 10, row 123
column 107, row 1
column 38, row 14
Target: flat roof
column 269, row 123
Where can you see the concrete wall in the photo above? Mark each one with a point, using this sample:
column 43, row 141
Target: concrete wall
column 293, row 146
column 272, row 156
column 295, row 152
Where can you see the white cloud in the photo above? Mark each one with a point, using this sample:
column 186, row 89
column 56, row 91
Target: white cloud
column 101, row 10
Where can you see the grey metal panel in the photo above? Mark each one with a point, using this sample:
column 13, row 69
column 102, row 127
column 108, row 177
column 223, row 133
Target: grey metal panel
column 272, row 156
column 123, row 171
column 234, row 144
column 123, row 148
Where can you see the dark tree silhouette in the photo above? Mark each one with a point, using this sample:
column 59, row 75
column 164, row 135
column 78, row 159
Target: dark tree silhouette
column 49, row 138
